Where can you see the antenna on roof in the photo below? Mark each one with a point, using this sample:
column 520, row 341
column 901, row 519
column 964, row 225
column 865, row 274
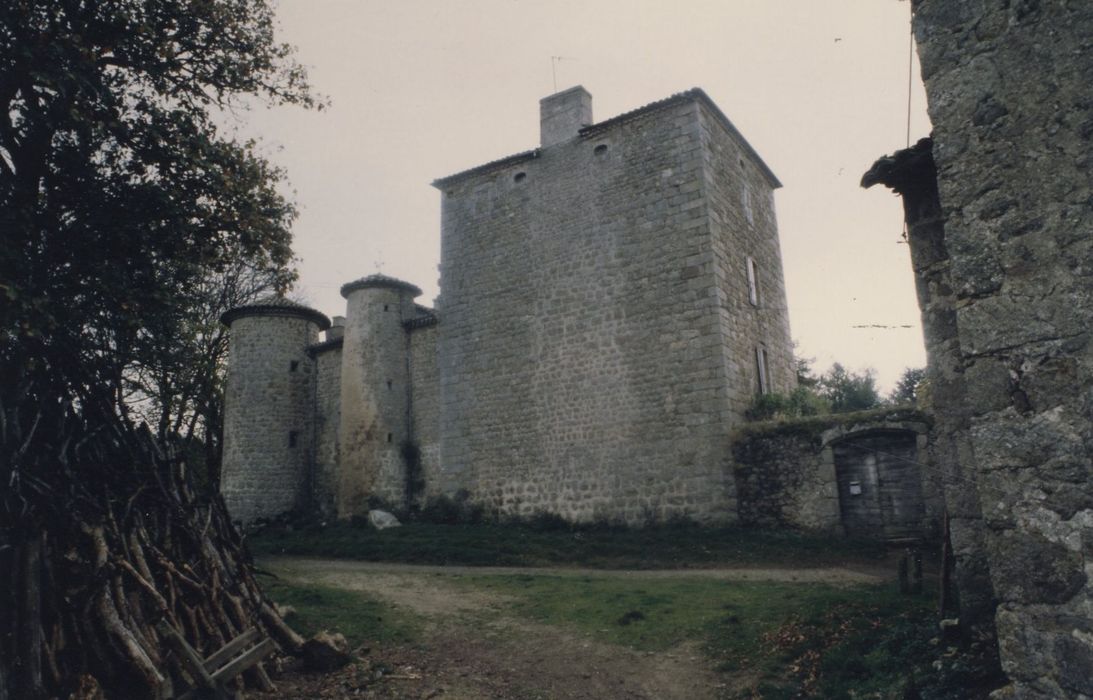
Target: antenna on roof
column 553, row 68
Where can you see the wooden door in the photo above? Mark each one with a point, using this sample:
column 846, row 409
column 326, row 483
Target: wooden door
column 880, row 484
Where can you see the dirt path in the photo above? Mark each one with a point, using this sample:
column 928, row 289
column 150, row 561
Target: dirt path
column 472, row 649
column 334, row 570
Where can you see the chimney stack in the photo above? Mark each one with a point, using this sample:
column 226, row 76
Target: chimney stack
column 563, row 114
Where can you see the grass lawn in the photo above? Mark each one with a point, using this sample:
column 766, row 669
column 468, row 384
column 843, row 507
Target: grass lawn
column 795, row 639
column 524, row 544
column 831, row 640
column 360, row 618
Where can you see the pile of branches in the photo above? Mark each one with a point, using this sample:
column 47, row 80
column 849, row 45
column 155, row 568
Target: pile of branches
column 102, row 544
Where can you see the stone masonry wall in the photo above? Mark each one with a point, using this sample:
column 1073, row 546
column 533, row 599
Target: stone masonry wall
column 328, row 397
column 374, row 399
column 425, row 404
column 913, row 175
column 268, row 416
column 743, row 225
column 1009, row 96
column 581, row 345
column 782, row 479
column 785, row 471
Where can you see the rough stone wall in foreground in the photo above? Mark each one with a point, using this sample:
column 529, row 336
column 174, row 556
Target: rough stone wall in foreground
column 268, row 416
column 913, row 175
column 1009, row 96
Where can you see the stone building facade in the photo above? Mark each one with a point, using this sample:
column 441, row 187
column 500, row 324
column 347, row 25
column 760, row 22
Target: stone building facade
column 1002, row 242
column 611, row 302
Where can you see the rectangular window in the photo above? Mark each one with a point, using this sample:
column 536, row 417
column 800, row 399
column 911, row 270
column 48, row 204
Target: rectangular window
column 763, row 371
column 745, row 196
column 292, row 437
column 753, row 282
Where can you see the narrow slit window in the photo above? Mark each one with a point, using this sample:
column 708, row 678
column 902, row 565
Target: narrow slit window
column 745, row 196
column 388, row 384
column 293, row 437
column 389, row 436
column 293, row 366
column 763, row 371
column 753, row 282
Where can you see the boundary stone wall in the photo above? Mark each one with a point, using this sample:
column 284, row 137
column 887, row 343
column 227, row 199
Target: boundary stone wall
column 785, row 470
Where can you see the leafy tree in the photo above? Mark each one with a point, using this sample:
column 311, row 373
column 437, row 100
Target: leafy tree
column 805, row 376
column 849, row 391
column 907, row 386
column 120, row 204
column 179, row 389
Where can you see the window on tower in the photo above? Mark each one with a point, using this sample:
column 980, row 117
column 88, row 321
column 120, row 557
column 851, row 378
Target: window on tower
column 763, row 371
column 753, row 282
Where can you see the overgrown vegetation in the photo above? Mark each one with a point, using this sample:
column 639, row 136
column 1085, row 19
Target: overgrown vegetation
column 122, row 208
column 837, row 391
column 551, row 542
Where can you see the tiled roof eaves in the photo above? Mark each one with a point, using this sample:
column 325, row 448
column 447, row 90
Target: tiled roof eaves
column 420, row 322
column 331, row 344
column 427, row 318
column 378, row 280
column 593, row 129
column 500, row 164
column 692, row 94
column 298, row 311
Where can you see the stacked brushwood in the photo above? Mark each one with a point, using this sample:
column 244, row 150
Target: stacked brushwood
column 107, row 541
column 124, row 211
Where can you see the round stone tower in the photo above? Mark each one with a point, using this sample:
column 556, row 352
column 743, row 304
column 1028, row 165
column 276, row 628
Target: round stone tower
column 268, row 412
column 375, row 402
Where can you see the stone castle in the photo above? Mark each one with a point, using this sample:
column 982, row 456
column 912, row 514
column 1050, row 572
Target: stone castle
column 611, row 300
column 610, row 304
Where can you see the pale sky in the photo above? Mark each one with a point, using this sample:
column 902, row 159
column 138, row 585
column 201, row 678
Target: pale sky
column 420, row 89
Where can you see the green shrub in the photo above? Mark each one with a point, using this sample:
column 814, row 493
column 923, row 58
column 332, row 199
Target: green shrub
column 801, row 402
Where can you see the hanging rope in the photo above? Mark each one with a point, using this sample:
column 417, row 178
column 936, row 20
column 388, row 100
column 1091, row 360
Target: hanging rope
column 910, row 64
